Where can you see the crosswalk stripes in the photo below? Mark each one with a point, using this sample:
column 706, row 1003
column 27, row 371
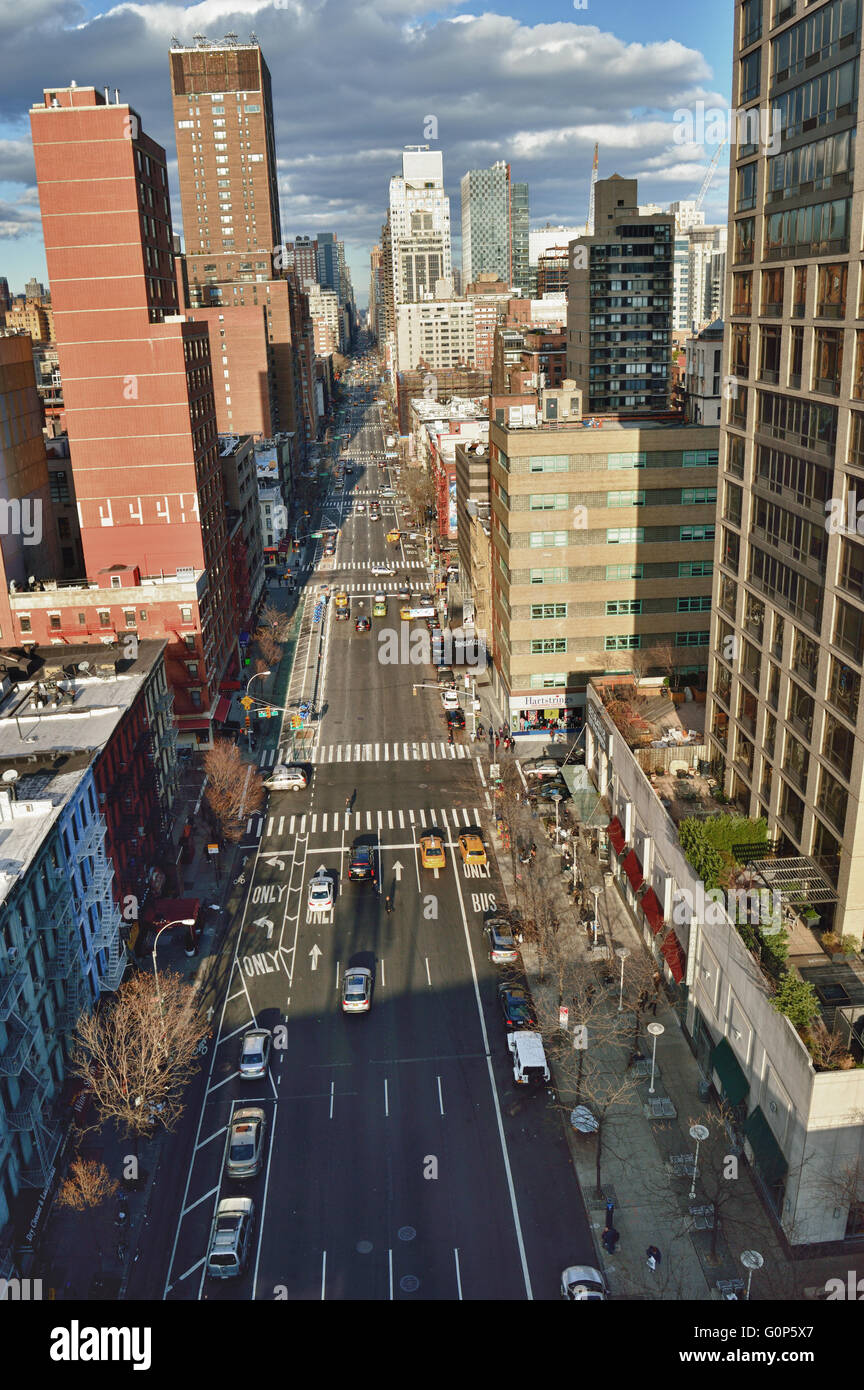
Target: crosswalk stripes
column 456, row 818
column 367, row 565
column 387, row 752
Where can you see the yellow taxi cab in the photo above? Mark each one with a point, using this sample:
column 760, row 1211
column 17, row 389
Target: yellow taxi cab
column 379, row 606
column 432, row 852
column 472, row 849
column 393, row 537
column 405, row 612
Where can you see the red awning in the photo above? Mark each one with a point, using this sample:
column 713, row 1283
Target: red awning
column 633, row 870
column 164, row 910
column 230, row 685
column 223, row 709
column 188, row 726
column 616, row 834
column 653, row 911
column 673, row 953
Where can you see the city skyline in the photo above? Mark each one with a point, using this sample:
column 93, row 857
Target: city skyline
column 337, row 155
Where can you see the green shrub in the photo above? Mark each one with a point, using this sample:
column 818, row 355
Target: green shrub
column 796, row 998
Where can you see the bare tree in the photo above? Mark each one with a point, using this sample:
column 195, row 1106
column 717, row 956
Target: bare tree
column 87, row 1184
column 420, row 494
column 235, row 789
column 663, row 655
column 137, row 1052
column 830, row 1051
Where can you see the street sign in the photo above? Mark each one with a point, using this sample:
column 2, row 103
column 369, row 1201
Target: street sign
column 247, row 702
column 563, row 1017
column 212, row 849
column 494, row 770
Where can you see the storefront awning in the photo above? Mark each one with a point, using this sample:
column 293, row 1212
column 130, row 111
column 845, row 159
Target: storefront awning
column 616, row 834
column 188, row 726
column 767, row 1154
column 673, row 953
column 162, row 910
column 222, row 710
column 230, row 685
column 653, row 911
column 733, row 1082
column 633, row 870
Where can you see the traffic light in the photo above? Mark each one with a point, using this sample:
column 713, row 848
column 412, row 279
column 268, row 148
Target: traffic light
column 247, row 722
column 247, row 661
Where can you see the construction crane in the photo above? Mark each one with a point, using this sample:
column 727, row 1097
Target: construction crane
column 589, row 225
column 706, row 182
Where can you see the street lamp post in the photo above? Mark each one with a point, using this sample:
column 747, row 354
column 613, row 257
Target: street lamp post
column 596, row 892
column 751, row 1259
column 622, row 953
column 656, row 1030
column 557, row 799
column 699, row 1133
column 180, row 922
column 248, row 683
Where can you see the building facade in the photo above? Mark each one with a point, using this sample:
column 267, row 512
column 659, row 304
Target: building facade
column 785, row 716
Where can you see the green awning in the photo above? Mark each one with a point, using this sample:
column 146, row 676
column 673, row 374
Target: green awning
column 733, row 1082
column 767, row 1153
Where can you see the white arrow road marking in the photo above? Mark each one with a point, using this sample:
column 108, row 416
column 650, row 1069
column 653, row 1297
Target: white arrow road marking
column 397, row 871
column 264, row 922
column 315, row 953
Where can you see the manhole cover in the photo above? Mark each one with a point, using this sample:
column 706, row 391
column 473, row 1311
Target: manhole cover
column 364, row 1247
column 410, row 1283
column 407, row 1233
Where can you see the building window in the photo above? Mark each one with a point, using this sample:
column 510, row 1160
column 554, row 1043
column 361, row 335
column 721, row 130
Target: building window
column 59, row 486
column 625, row 535
column 696, row 533
column 548, row 502
column 54, row 622
column 195, row 697
column 694, row 603
column 189, row 639
column 192, row 668
column 691, row 639
column 557, row 680
column 625, row 642
column 544, row 611
column 104, row 617
column 695, row 569
column 699, row 458
column 631, row 498
column 185, row 614
column 828, row 360
column 538, row 540
column 550, row 463
column 625, row 571
column 620, row 607
column 546, row 646
column 129, row 617
column 697, row 496
column 550, row 576
column 635, row 460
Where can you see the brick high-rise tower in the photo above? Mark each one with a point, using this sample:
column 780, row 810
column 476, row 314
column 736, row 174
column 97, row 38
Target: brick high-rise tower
column 139, row 402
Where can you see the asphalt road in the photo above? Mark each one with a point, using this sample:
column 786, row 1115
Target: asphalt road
column 401, row 1162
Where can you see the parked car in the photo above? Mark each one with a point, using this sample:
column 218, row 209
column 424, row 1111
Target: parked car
column 548, row 790
column 230, row 1237
column 450, row 698
column 244, row 1147
column 255, row 1053
column 582, row 1284
column 541, row 767
column 363, row 624
column 445, row 676
column 517, row 1006
column 455, row 719
column 357, row 990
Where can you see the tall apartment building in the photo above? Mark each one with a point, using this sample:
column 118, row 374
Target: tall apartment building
column 785, row 715
column 327, row 252
column 618, row 317
column 305, row 258
column 326, row 317
column 376, row 308
column 28, row 540
column 487, row 240
column 139, row 405
column 437, row 333
column 520, row 222
column 553, row 271
column 233, row 272
column 419, row 226
column 490, row 297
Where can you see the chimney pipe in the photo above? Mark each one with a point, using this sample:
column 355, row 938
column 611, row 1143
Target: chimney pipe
column 116, row 96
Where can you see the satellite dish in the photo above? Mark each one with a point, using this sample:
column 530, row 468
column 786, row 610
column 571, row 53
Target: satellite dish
column 83, row 665
column 10, row 776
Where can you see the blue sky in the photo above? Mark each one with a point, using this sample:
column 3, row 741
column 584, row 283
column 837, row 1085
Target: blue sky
column 534, row 83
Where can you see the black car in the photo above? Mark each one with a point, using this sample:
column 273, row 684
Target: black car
column 362, row 625
column 446, row 679
column 362, row 863
column 555, row 786
column 455, row 719
column 517, row 1007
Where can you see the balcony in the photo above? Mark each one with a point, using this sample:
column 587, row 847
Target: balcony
column 27, row 1110
column 89, row 841
column 18, row 1046
column 10, row 988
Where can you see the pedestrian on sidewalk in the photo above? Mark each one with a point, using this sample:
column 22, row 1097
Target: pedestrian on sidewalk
column 610, row 1213
column 654, row 1257
column 610, row 1239
column 497, row 742
column 655, row 980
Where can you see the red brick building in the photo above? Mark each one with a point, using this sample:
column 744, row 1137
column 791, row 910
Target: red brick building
column 139, row 406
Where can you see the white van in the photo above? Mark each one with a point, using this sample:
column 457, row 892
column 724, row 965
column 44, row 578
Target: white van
column 530, row 1067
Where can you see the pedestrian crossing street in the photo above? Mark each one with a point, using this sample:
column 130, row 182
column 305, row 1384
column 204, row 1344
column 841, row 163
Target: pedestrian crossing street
column 372, row 753
column 456, row 818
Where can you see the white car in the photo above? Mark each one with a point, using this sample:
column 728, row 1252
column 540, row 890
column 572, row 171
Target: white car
column 287, row 777
column 357, row 990
column 321, row 893
column 582, row 1284
column 383, row 569
column 450, row 699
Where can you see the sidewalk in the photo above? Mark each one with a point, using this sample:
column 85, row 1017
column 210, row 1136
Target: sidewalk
column 646, row 1165
column 90, row 1254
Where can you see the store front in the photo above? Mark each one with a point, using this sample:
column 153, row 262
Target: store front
column 546, row 713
